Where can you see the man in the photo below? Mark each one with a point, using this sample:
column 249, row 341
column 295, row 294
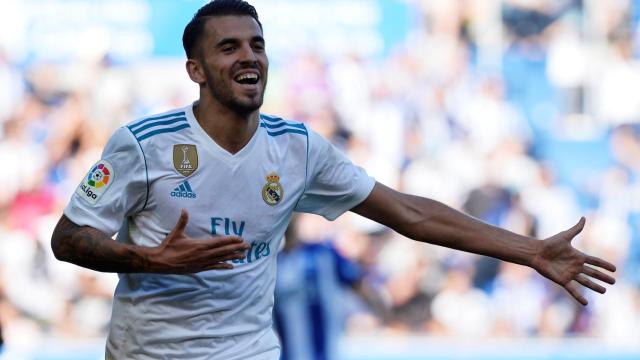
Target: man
column 311, row 273
column 203, row 289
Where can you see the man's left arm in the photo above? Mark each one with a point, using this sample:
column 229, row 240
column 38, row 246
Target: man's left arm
column 430, row 221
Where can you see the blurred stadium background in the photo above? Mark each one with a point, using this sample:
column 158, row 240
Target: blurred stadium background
column 525, row 114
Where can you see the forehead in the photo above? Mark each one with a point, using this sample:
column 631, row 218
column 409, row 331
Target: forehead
column 231, row 26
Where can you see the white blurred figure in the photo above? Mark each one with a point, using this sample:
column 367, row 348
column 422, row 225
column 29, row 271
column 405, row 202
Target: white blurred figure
column 9, row 79
column 460, row 309
column 404, row 267
column 489, row 120
column 30, row 298
column 618, row 89
column 509, row 166
column 429, row 177
column 616, row 194
column 22, row 158
column 518, row 292
column 381, row 125
column 517, row 301
column 616, row 316
column 554, row 205
column 350, row 85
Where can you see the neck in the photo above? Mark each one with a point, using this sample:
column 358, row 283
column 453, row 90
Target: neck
column 230, row 130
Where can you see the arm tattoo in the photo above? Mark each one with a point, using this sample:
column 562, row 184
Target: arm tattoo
column 88, row 247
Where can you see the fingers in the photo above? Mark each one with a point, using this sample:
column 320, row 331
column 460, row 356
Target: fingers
column 220, row 266
column 220, row 241
column 219, row 261
column 586, row 282
column 219, row 249
column 600, row 263
column 224, row 245
column 597, row 274
column 576, row 229
column 575, row 292
column 216, row 266
column 182, row 222
column 229, row 252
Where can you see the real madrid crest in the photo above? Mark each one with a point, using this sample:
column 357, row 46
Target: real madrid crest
column 272, row 191
column 185, row 158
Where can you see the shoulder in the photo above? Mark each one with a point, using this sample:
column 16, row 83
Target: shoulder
column 279, row 129
column 276, row 126
column 163, row 123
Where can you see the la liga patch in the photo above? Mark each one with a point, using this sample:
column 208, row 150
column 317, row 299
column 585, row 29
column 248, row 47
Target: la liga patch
column 97, row 181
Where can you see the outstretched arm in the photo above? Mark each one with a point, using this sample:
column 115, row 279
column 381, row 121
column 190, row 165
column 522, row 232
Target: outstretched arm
column 177, row 254
column 432, row 222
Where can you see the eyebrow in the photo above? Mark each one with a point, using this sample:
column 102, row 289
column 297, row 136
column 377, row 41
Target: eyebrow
column 226, row 41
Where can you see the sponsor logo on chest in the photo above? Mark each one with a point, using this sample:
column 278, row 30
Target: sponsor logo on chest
column 184, row 190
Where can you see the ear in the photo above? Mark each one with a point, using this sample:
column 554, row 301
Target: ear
column 195, row 71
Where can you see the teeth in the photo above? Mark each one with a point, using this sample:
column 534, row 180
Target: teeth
column 247, row 76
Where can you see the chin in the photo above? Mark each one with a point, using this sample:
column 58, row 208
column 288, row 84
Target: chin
column 245, row 108
column 248, row 105
column 238, row 102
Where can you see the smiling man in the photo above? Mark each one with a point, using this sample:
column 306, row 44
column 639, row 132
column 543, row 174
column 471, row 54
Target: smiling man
column 203, row 288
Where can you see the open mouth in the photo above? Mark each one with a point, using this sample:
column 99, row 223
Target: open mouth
column 247, row 79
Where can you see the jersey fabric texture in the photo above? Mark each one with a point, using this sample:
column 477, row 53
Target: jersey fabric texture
column 156, row 166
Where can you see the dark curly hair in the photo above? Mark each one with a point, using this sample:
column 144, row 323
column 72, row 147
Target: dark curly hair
column 194, row 29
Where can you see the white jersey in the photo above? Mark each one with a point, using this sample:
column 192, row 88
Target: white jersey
column 154, row 167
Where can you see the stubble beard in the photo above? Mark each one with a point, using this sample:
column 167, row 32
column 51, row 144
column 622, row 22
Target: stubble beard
column 225, row 96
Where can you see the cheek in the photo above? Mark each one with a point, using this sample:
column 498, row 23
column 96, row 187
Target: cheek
column 218, row 69
column 265, row 68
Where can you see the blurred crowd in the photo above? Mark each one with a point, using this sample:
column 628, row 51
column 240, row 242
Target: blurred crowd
column 525, row 114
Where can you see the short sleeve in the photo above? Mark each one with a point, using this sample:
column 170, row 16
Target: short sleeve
column 334, row 184
column 114, row 188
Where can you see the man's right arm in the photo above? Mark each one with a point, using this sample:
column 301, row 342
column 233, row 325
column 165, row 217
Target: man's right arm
column 177, row 254
column 90, row 248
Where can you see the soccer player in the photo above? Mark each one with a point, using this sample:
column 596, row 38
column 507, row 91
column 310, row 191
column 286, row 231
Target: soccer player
column 311, row 274
column 198, row 283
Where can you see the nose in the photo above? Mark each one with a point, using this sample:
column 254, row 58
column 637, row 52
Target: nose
column 247, row 55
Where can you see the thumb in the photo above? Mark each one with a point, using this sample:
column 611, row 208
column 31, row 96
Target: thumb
column 576, row 229
column 181, row 224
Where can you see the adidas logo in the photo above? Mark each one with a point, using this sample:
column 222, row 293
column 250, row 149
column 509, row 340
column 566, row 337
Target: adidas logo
column 183, row 191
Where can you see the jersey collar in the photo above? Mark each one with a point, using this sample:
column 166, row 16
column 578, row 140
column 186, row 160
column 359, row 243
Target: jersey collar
column 212, row 146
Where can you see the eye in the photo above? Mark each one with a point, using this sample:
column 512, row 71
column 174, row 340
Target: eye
column 258, row 47
column 228, row 48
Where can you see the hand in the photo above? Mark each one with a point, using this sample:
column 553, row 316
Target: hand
column 560, row 262
column 179, row 254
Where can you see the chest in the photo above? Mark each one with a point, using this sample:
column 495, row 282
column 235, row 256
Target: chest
column 251, row 196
